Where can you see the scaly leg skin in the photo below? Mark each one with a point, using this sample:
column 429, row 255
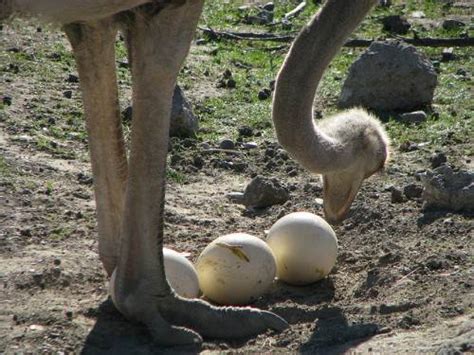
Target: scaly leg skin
column 94, row 50
column 159, row 43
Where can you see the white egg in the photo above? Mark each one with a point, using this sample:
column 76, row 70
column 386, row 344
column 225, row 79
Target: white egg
column 236, row 269
column 305, row 248
column 180, row 272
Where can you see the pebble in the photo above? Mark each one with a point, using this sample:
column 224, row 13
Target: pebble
column 269, row 6
column 227, row 144
column 236, row 197
column 264, row 94
column 437, row 159
column 452, row 24
column 250, row 145
column 7, row 100
column 396, row 24
column 413, row 117
column 448, row 54
column 412, row 191
column 246, row 131
column 263, row 192
column 397, row 195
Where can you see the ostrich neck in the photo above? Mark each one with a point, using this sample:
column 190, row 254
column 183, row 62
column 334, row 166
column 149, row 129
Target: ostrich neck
column 298, row 80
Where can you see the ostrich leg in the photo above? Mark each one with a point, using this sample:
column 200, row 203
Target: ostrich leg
column 159, row 43
column 94, row 50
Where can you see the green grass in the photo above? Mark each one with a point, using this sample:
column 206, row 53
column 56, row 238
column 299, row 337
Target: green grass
column 55, row 121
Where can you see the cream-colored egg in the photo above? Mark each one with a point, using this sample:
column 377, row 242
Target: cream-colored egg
column 180, row 272
column 236, row 269
column 305, row 248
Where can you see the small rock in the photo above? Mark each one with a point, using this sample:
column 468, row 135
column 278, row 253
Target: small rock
column 395, row 24
column 462, row 72
column 409, row 321
column 67, row 94
column 231, row 84
column 418, row 14
column 72, row 78
column 448, row 54
column 25, row 232
column 183, row 121
column 385, row 3
column 408, row 146
column 198, row 162
column 434, row 263
column 250, row 145
column 437, row 159
column 262, row 192
column 397, row 195
column 7, row 100
column 227, row 144
column 413, row 191
column 446, row 188
column 236, row 197
column 246, row 131
column 84, row 179
column 123, row 64
column 292, row 173
column 69, row 315
column 127, row 114
column 264, row 94
column 269, row 6
column 413, row 117
column 452, row 24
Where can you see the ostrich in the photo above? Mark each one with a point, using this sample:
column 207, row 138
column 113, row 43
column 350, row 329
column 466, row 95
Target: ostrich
column 130, row 192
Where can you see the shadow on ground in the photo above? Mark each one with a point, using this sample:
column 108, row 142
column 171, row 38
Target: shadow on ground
column 113, row 334
column 335, row 335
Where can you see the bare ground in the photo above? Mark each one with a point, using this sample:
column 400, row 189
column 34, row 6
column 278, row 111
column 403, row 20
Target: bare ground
column 402, row 283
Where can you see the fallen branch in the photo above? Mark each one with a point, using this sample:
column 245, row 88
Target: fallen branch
column 249, row 36
column 419, row 42
column 296, row 11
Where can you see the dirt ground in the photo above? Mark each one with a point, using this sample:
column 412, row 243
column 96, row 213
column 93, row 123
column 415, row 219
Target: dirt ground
column 403, row 279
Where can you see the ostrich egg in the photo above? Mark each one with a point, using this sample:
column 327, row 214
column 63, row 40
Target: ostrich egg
column 236, row 269
column 180, row 273
column 305, row 248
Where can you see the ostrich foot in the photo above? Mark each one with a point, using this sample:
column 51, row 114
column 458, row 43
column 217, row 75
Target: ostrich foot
column 219, row 322
column 178, row 321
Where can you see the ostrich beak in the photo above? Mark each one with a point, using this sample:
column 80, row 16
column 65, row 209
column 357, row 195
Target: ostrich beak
column 339, row 190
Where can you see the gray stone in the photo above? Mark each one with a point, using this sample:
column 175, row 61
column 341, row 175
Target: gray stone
column 263, row 192
column 390, row 75
column 437, row 159
column 413, row 117
column 227, row 144
column 250, row 145
column 183, row 121
column 447, row 188
column 236, row 197
column 412, row 191
column 452, row 24
column 395, row 24
column 397, row 195
column 448, row 54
